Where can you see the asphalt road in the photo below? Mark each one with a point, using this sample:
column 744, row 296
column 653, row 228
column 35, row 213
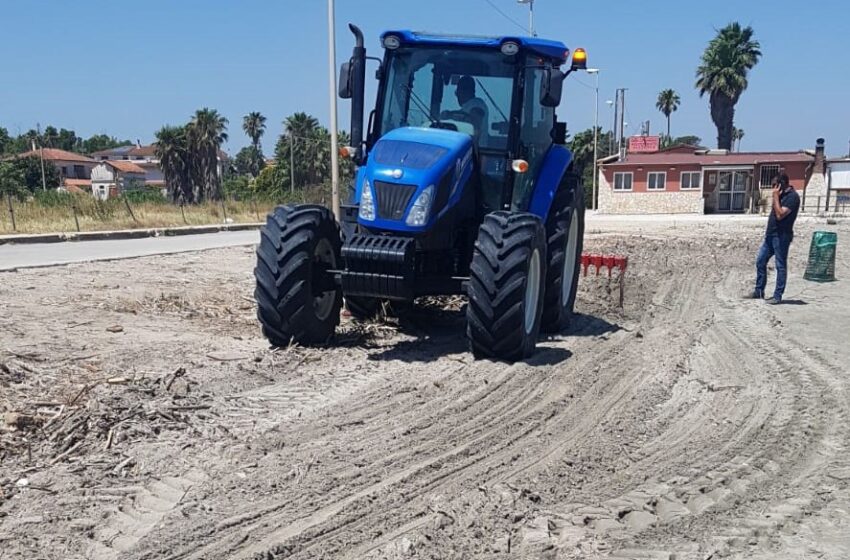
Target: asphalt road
column 52, row 254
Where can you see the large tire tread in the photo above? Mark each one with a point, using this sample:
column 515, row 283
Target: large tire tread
column 496, row 290
column 557, row 316
column 284, row 275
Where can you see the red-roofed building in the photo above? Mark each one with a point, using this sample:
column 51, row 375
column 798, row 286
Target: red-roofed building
column 688, row 179
column 146, row 158
column 70, row 165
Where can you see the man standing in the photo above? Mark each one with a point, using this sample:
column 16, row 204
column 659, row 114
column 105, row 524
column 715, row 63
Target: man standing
column 777, row 238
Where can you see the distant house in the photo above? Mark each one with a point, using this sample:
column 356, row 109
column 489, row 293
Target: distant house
column 142, row 156
column 74, row 169
column 688, row 179
column 145, row 157
column 111, row 178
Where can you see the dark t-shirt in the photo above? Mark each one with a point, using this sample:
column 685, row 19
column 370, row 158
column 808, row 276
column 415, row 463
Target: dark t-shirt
column 790, row 200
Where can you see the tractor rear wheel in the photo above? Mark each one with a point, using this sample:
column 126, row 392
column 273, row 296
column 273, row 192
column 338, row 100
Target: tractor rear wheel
column 297, row 299
column 506, row 286
column 565, row 236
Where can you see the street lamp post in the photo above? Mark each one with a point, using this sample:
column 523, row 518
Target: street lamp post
column 334, row 132
column 595, row 72
column 530, row 15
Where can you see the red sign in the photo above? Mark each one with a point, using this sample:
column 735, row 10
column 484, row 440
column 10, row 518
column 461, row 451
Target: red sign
column 643, row 144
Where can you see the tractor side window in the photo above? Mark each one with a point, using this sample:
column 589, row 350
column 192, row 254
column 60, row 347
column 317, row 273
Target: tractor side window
column 535, row 135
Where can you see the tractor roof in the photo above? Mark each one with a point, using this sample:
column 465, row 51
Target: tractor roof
column 544, row 47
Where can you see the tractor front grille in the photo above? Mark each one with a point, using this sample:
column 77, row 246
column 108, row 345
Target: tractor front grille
column 393, row 199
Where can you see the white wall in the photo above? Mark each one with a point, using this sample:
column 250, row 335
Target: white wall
column 839, row 175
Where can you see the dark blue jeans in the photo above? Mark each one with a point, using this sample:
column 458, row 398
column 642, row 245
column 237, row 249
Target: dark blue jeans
column 775, row 245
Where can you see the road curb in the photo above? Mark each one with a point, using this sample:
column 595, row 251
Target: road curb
column 22, row 239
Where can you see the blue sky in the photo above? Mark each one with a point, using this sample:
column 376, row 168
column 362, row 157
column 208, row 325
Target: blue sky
column 126, row 69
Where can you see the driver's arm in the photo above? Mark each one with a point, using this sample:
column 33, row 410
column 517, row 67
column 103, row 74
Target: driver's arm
column 476, row 118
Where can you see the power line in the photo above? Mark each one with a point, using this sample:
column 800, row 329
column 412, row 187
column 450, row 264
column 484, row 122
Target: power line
column 506, row 16
column 588, row 86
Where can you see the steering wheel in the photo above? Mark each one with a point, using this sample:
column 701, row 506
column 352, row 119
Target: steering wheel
column 444, row 125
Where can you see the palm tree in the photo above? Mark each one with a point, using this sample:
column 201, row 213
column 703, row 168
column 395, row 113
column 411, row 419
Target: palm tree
column 300, row 124
column 722, row 74
column 668, row 103
column 254, row 125
column 206, row 132
column 172, row 149
column 303, row 134
column 738, row 135
column 50, row 137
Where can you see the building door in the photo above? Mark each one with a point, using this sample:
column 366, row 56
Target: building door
column 731, row 191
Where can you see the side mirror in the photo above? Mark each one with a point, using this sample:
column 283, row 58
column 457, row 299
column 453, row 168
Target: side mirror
column 345, row 90
column 550, row 90
column 559, row 133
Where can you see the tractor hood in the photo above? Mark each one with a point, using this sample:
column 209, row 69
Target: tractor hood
column 413, row 176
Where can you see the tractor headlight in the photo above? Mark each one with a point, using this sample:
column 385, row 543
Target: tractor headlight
column 421, row 208
column 367, row 203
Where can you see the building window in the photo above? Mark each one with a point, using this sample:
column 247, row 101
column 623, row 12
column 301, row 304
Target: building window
column 656, row 181
column 690, row 180
column 768, row 173
column 623, row 181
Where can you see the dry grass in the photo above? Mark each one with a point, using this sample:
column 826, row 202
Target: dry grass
column 36, row 217
column 31, row 217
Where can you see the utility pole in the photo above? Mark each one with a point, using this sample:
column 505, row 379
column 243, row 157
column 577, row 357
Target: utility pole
column 332, row 91
column 622, row 114
column 291, row 163
column 530, row 16
column 616, row 127
column 41, row 150
column 595, row 72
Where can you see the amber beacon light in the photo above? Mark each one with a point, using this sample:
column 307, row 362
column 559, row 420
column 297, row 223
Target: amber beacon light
column 579, row 59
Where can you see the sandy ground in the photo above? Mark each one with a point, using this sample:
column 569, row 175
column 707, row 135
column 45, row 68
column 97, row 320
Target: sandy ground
column 145, row 418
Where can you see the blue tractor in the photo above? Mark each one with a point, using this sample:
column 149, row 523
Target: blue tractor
column 463, row 186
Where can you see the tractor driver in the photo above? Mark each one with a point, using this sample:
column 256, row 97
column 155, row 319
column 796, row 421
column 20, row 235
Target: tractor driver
column 472, row 110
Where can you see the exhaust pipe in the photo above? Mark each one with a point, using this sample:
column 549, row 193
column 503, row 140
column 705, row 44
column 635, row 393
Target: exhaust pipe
column 358, row 91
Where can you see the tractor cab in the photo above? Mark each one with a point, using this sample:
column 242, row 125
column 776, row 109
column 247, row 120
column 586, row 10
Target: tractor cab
column 498, row 92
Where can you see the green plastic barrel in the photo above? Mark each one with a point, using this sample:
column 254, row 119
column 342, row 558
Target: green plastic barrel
column 821, row 266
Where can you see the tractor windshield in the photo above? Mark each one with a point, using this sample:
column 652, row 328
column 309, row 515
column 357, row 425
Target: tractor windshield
column 460, row 89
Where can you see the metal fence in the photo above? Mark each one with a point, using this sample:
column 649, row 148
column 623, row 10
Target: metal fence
column 829, row 204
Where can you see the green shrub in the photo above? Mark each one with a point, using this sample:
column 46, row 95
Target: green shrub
column 54, row 198
column 145, row 196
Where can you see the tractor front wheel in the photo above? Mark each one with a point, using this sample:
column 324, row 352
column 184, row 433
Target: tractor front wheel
column 506, row 286
column 297, row 299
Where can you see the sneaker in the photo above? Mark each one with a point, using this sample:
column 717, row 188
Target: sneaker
column 773, row 301
column 755, row 294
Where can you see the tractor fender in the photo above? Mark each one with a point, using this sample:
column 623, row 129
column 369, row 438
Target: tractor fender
column 555, row 164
